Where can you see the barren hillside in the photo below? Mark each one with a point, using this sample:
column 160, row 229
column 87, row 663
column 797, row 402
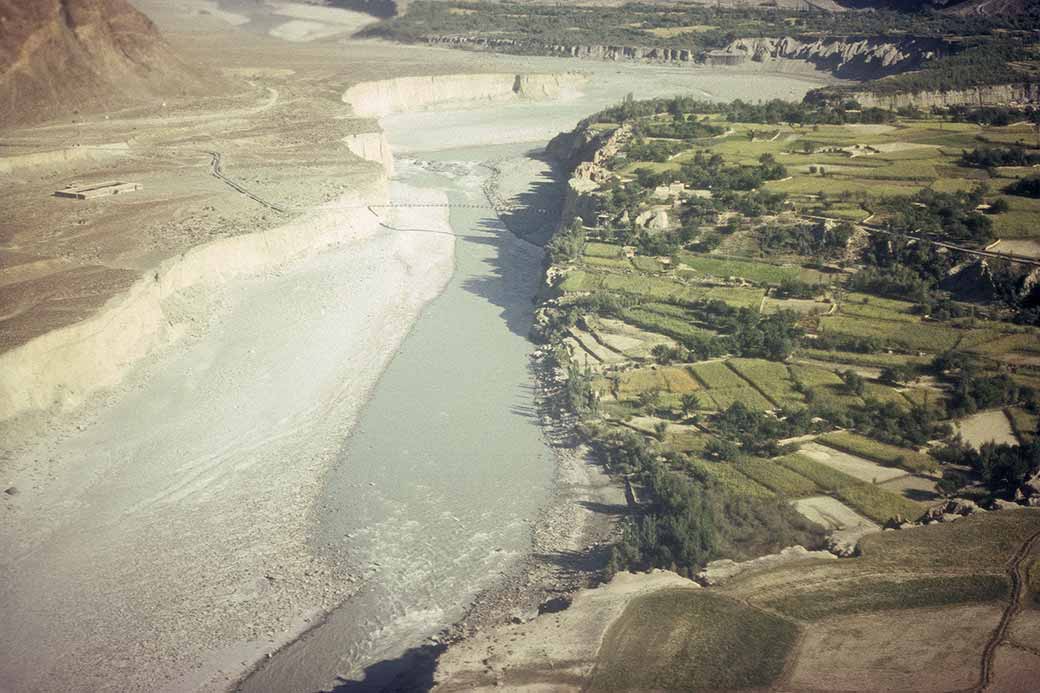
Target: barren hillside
column 62, row 56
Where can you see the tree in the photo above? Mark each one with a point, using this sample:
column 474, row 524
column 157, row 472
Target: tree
column 690, row 403
column 897, row 375
column 649, row 400
column 853, row 382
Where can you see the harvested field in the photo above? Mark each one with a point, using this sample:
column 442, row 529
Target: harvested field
column 1014, row 670
column 909, row 649
column 873, row 502
column 873, row 594
column 918, row 488
column 889, row 455
column 628, row 339
column 858, row 467
column 985, row 427
column 675, row 640
column 830, row 513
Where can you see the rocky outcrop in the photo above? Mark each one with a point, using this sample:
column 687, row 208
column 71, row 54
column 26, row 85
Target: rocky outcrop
column 61, row 368
column 62, row 56
column 383, row 97
column 847, row 57
column 719, row 572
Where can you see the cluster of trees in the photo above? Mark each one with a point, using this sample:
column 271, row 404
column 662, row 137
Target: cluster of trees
column 893, row 279
column 1002, row 468
column 991, row 157
column 991, row 115
column 1026, row 187
column 568, row 243
column 814, row 240
column 952, row 215
column 973, row 391
column 641, row 149
column 708, row 171
column 744, row 430
column 688, row 519
column 819, row 108
column 679, row 127
column 885, row 421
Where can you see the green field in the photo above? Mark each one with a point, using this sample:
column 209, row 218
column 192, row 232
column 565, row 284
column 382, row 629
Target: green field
column 777, row 478
column 930, row 337
column 758, row 272
column 770, row 378
column 869, row 500
column 730, row 477
column 716, row 374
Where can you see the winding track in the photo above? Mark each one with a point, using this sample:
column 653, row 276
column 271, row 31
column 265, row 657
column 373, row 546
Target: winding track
column 1015, row 571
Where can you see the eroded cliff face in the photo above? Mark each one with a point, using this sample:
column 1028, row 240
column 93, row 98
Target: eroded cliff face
column 993, row 94
column 853, row 58
column 584, row 152
column 60, row 369
column 372, row 146
column 383, row 97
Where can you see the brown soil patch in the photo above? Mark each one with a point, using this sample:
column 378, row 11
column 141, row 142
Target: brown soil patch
column 912, row 649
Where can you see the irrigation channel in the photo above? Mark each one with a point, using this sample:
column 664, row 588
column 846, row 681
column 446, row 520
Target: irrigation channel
column 435, row 491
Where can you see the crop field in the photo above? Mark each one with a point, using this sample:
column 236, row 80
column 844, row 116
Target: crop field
column 730, row 477
column 758, row 272
column 736, row 296
column 724, row 398
column 652, row 320
column 716, row 374
column 646, row 264
column 771, row 378
column 651, row 288
column 833, row 397
column 613, row 263
column 1020, row 220
column 875, row 311
column 830, row 513
column 813, row 376
column 884, row 393
column 676, row 640
column 777, row 478
column 854, row 465
column 877, row 504
column 597, row 249
column 1023, row 422
column 931, row 337
column 850, row 358
column 687, row 439
column 890, row 455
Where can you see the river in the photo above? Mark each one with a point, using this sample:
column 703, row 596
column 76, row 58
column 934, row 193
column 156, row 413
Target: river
column 433, row 494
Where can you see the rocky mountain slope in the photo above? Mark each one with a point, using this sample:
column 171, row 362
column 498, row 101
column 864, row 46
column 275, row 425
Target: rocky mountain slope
column 59, row 57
